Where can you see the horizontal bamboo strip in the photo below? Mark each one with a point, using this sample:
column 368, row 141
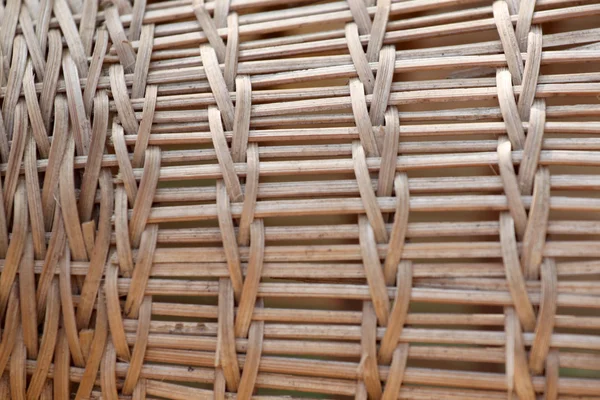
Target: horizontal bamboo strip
column 456, row 379
column 196, row 123
column 354, row 206
column 341, row 317
column 341, row 67
column 343, row 369
column 350, row 348
column 319, row 271
column 316, row 271
column 313, row 316
column 477, row 184
column 405, row 163
column 351, row 252
column 408, row 393
column 164, row 287
column 345, row 133
column 349, row 232
column 294, row 331
column 295, row 46
column 323, row 99
column 196, row 38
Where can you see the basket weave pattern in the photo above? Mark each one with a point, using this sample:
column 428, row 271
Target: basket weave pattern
column 258, row 198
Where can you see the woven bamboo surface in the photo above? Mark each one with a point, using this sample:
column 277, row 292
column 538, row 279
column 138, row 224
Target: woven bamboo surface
column 265, row 198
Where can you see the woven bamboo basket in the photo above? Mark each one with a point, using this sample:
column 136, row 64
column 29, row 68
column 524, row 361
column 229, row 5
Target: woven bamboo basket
column 325, row 199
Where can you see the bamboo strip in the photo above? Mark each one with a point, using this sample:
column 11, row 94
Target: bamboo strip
column 138, row 243
column 322, row 271
column 270, row 73
column 344, row 387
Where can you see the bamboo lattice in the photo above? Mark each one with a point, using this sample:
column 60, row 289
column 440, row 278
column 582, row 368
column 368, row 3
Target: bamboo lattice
column 329, row 199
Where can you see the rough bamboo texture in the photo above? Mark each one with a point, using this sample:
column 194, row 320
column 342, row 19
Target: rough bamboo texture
column 258, row 199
